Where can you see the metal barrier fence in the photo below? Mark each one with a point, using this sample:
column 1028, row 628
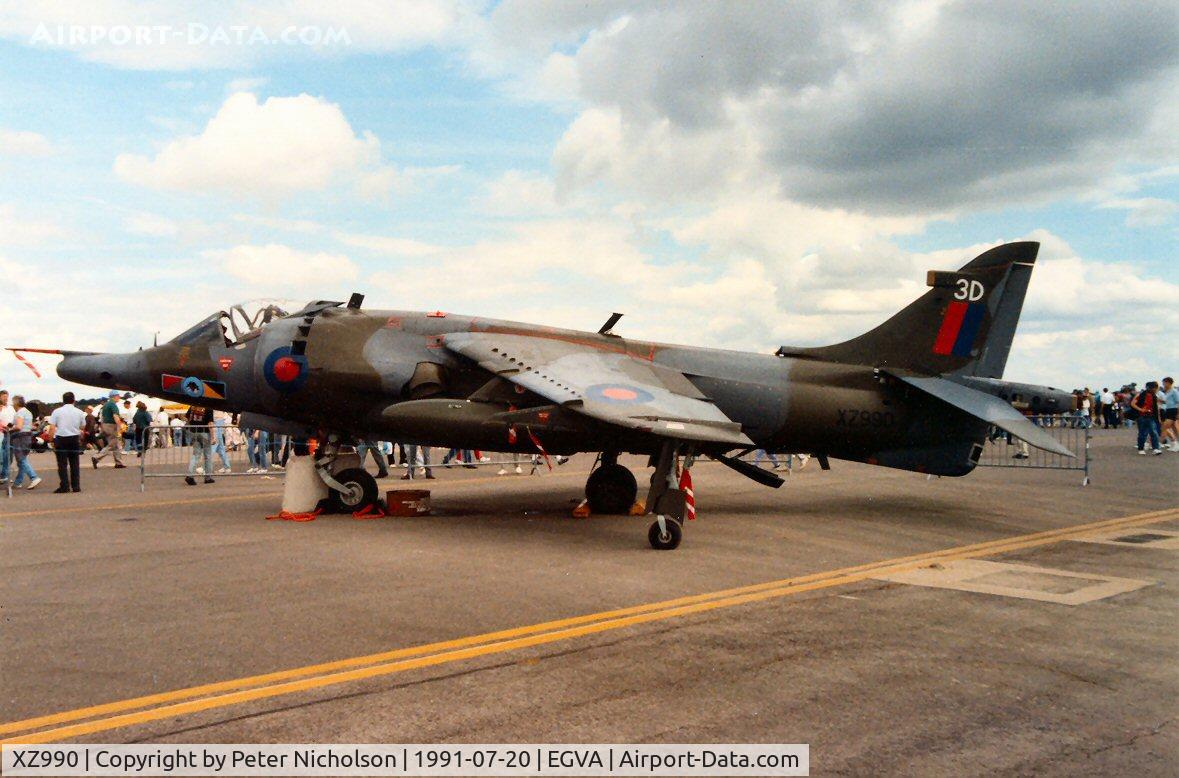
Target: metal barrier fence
column 1004, row 450
column 207, row 452
column 235, row 451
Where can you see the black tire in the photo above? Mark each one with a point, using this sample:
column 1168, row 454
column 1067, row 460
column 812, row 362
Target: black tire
column 611, row 489
column 361, row 490
column 665, row 541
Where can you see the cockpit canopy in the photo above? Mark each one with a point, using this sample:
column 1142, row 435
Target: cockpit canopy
column 240, row 323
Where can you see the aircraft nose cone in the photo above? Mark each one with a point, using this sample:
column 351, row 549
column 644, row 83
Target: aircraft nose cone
column 110, row 371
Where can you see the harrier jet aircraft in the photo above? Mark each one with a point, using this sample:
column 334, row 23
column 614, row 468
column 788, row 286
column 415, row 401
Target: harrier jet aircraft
column 918, row 392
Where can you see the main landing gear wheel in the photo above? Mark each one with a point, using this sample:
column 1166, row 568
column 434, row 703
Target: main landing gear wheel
column 360, row 489
column 667, row 537
column 611, row 489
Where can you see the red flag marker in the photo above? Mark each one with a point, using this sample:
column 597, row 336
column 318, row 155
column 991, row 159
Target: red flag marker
column 536, row 442
column 27, row 363
column 689, row 495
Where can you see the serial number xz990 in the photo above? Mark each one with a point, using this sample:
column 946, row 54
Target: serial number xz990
column 854, row 418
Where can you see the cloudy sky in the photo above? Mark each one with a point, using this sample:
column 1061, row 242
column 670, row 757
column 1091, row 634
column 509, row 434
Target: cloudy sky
column 740, row 175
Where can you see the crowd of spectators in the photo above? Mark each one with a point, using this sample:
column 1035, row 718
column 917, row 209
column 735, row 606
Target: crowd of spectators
column 1153, row 409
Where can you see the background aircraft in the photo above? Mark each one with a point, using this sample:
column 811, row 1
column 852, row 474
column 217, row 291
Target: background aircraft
column 919, row 392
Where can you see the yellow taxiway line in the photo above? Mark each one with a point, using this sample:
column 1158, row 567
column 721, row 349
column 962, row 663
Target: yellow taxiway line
column 99, row 718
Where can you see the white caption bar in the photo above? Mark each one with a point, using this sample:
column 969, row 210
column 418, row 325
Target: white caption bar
column 381, row 760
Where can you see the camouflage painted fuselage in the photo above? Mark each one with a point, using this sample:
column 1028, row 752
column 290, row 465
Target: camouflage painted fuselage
column 916, row 392
column 386, row 375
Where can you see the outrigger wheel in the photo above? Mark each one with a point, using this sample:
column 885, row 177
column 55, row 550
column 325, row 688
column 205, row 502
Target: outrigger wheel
column 611, row 489
column 665, row 534
column 360, row 489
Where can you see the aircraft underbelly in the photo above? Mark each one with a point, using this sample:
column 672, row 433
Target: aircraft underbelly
column 760, row 409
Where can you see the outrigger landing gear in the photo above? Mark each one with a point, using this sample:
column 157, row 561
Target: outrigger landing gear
column 666, row 501
column 665, row 534
column 611, row 488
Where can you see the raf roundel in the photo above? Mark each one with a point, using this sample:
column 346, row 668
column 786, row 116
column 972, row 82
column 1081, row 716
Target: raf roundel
column 193, row 387
column 285, row 372
column 623, row 394
column 286, row 369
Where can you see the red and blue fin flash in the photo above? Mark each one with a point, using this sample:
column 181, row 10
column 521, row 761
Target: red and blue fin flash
column 959, row 329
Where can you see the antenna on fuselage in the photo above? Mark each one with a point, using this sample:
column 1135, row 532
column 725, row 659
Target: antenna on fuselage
column 608, row 327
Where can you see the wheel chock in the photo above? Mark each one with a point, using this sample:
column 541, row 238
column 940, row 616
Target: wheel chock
column 638, row 509
column 582, row 511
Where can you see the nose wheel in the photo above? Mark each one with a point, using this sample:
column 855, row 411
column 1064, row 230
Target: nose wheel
column 359, row 489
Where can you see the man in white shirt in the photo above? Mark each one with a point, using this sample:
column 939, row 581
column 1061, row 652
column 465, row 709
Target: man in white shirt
column 66, row 423
column 127, row 414
column 7, row 417
column 1109, row 417
column 165, row 435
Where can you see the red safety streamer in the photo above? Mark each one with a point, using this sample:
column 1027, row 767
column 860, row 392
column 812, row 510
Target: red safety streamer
column 689, row 495
column 536, row 442
column 27, row 363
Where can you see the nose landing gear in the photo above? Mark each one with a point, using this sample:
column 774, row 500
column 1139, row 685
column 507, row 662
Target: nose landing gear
column 359, row 489
column 349, row 487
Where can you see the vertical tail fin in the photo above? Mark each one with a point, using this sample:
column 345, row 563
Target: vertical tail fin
column 964, row 325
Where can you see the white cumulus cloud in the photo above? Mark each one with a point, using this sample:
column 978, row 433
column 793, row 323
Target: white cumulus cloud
column 388, row 244
column 1144, row 211
column 885, row 108
column 267, row 150
column 23, row 229
column 23, row 143
column 277, row 267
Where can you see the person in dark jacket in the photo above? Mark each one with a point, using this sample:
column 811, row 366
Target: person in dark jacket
column 142, row 422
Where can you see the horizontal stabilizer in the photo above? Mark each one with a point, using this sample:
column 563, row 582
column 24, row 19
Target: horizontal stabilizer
column 987, row 407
